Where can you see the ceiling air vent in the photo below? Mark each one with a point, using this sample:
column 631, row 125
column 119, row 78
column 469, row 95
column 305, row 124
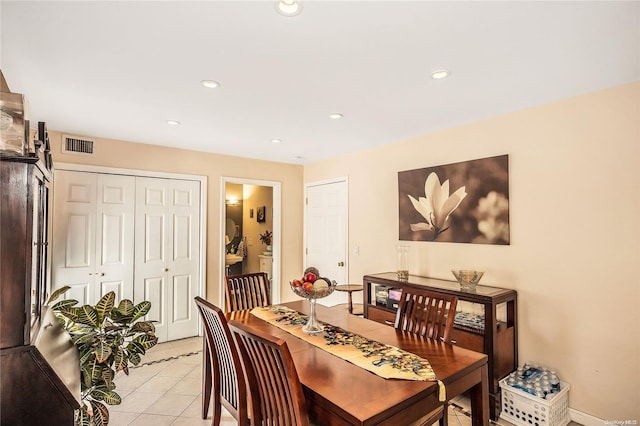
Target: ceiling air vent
column 74, row 144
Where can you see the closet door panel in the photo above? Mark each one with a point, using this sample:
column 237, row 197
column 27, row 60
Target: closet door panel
column 74, row 234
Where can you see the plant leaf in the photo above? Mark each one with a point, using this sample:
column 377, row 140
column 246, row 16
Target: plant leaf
column 105, row 305
column 146, row 340
column 112, row 398
column 141, row 309
column 100, row 413
column 134, row 358
column 125, row 307
column 135, row 347
column 88, row 315
column 70, row 313
column 142, row 327
column 120, row 359
column 82, row 416
column 57, row 293
column 103, row 352
column 64, row 303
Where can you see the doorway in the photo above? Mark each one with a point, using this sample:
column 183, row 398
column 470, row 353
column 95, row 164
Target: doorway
column 250, row 208
column 326, row 230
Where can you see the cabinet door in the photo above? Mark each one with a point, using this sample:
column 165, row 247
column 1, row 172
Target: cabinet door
column 93, row 235
column 167, row 253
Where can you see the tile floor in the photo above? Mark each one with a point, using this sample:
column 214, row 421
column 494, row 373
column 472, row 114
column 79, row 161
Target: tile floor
column 166, row 390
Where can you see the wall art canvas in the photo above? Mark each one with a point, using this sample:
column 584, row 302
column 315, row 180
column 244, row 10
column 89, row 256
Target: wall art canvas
column 466, row 202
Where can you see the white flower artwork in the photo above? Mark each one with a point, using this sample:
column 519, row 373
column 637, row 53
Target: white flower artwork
column 466, row 202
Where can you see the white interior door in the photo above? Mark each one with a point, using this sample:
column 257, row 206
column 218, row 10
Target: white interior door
column 93, row 235
column 167, row 253
column 326, row 233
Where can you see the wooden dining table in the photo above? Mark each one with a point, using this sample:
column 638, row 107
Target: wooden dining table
column 338, row 392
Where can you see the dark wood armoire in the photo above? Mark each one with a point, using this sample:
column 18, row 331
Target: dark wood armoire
column 39, row 365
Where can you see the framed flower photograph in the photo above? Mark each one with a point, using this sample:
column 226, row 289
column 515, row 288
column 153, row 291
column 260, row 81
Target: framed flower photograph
column 261, row 214
column 466, row 202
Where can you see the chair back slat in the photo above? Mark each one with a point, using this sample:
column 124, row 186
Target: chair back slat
column 277, row 395
column 426, row 313
column 247, row 291
column 229, row 385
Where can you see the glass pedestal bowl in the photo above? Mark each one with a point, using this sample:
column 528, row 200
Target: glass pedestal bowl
column 467, row 278
column 317, row 292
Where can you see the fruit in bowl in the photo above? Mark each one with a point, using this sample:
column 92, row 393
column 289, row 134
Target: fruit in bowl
column 467, row 278
column 312, row 286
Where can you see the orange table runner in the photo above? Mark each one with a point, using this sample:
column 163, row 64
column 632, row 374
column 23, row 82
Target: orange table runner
column 383, row 360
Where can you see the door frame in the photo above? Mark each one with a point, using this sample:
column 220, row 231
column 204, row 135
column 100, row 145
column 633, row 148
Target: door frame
column 166, row 175
column 277, row 231
column 322, row 182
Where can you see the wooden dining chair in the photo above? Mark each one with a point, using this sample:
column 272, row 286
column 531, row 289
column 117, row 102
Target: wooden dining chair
column 247, row 291
column 426, row 313
column 222, row 368
column 430, row 315
column 276, row 392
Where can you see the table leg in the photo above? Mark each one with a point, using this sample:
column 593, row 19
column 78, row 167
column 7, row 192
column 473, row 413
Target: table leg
column 350, row 302
column 480, row 400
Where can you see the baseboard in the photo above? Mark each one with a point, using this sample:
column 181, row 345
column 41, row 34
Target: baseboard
column 584, row 418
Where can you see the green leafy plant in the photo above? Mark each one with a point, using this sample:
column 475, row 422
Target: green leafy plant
column 108, row 338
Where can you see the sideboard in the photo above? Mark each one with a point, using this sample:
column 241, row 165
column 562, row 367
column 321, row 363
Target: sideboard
column 495, row 333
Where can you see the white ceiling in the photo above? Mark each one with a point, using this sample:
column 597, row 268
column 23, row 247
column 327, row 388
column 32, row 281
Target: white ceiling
column 121, row 69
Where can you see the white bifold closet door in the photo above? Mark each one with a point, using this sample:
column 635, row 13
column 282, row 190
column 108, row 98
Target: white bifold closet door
column 93, row 236
column 167, row 236
column 137, row 236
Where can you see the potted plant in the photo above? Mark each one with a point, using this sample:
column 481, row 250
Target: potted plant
column 267, row 239
column 108, row 338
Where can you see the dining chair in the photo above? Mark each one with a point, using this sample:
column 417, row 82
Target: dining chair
column 426, row 313
column 276, row 392
column 247, row 291
column 222, row 368
column 430, row 315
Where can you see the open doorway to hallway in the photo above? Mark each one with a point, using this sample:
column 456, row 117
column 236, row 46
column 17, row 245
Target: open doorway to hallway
column 251, row 230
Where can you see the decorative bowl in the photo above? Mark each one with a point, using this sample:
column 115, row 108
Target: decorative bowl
column 467, row 278
column 321, row 288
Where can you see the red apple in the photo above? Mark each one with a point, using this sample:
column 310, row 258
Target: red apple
column 296, row 283
column 310, row 277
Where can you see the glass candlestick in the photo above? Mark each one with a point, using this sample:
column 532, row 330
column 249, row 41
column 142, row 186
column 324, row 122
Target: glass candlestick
column 402, row 269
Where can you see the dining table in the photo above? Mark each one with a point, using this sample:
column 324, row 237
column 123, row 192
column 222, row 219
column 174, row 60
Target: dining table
column 338, row 392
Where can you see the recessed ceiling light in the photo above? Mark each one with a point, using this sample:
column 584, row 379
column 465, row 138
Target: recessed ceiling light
column 288, row 7
column 211, row 84
column 276, row 140
column 335, row 115
column 173, row 122
column 440, row 74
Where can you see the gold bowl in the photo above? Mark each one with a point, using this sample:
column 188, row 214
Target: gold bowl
column 467, row 278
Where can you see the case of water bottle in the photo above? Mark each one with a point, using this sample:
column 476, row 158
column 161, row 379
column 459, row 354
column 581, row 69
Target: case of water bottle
column 522, row 408
column 521, row 405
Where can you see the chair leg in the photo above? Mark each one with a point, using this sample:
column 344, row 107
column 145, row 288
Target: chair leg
column 206, row 380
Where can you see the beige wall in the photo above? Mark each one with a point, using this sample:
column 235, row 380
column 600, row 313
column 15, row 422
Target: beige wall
column 129, row 155
column 574, row 213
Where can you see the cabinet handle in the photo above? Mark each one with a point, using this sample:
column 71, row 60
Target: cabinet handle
column 90, row 273
column 453, row 341
column 389, row 322
column 101, row 274
column 166, row 269
column 340, row 263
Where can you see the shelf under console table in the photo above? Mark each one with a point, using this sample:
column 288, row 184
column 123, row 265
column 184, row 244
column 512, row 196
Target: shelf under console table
column 495, row 332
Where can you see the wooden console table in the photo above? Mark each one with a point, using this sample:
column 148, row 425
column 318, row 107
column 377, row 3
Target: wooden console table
column 498, row 338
